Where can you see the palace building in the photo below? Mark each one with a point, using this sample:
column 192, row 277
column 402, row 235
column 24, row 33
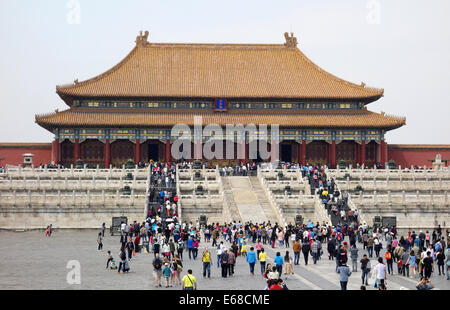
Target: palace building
column 129, row 110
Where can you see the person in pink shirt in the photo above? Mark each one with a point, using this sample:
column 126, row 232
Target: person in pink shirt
column 394, row 243
column 258, row 248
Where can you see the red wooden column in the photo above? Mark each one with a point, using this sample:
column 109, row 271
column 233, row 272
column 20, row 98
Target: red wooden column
column 76, row 150
column 299, row 152
column 304, row 152
column 363, row 152
column 167, row 154
column 333, row 154
column 107, row 154
column 243, row 155
column 383, row 152
column 55, row 151
column 137, row 151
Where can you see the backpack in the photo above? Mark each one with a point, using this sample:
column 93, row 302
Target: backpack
column 387, row 255
column 123, row 256
column 157, row 263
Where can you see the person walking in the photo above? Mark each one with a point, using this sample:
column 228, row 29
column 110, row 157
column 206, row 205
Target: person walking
column 354, row 257
column 428, row 265
column 177, row 268
column 262, row 260
column 296, row 247
column 109, row 259
column 412, row 263
column 389, row 261
column 190, row 244
column 305, row 250
column 279, row 263
column 447, row 261
column 370, row 244
column 123, row 259
column 378, row 246
column 130, row 248
column 440, row 258
column 344, row 272
column 195, row 245
column 206, row 259
column 157, row 270
column 380, row 272
column 231, row 262
column 251, row 260
column 314, row 250
column 224, row 263
column 100, row 241
column 288, row 264
column 331, row 247
column 180, row 248
column 365, row 269
column 189, row 283
column 166, row 272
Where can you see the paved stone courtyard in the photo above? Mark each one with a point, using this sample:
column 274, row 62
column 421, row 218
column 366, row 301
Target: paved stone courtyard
column 32, row 261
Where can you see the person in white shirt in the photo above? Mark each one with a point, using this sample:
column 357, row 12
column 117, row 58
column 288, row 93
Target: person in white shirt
column 380, row 271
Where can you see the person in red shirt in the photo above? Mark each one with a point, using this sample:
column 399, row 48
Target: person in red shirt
column 274, row 285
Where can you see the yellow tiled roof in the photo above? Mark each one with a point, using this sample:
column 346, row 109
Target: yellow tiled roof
column 218, row 71
column 149, row 118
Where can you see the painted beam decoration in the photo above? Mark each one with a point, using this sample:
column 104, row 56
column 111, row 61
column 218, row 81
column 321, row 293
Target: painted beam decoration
column 165, row 133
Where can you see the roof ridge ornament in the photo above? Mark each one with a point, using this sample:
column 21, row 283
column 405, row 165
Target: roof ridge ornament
column 291, row 41
column 363, row 85
column 141, row 39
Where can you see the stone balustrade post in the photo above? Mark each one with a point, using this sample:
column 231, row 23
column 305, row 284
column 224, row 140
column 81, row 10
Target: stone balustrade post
column 446, row 197
column 52, row 182
column 59, row 197
column 15, row 197
column 88, row 198
column 71, row 170
column 389, row 197
column 44, row 197
column 66, row 183
column 73, row 197
column 432, row 197
column 103, row 197
column 403, row 197
column 29, row 197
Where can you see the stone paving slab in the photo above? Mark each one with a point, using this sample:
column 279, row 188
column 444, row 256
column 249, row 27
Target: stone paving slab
column 32, row 261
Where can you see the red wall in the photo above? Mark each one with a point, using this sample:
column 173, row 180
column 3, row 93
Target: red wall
column 417, row 155
column 12, row 153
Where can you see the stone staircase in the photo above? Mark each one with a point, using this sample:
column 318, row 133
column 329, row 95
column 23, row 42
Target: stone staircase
column 230, row 205
column 262, row 199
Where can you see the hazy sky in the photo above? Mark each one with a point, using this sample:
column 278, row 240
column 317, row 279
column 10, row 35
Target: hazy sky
column 402, row 46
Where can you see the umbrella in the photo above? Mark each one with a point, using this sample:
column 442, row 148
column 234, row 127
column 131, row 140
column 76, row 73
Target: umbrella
column 310, row 226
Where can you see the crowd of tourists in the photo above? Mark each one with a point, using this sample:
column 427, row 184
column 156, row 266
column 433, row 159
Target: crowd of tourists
column 417, row 255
